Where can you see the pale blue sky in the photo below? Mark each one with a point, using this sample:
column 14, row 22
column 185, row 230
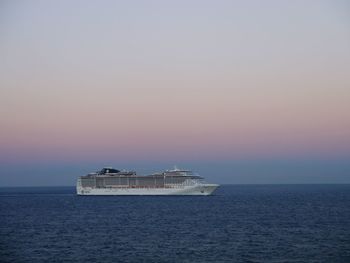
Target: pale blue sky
column 239, row 91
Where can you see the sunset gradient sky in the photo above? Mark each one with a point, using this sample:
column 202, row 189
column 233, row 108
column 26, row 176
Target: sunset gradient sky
column 240, row 91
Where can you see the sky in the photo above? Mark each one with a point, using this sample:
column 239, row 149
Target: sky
column 239, row 91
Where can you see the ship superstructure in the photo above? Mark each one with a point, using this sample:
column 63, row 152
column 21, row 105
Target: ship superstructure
column 110, row 181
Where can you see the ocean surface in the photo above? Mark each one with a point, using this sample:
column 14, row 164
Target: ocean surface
column 240, row 223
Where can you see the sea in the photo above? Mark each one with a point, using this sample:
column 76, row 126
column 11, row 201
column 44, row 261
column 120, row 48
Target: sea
column 239, row 223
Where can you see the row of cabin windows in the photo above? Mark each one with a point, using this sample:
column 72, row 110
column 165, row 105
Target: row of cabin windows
column 100, row 182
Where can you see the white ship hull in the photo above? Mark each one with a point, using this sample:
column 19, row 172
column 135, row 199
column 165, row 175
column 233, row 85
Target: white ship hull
column 203, row 189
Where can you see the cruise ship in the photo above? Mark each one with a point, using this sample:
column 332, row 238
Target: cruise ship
column 110, row 181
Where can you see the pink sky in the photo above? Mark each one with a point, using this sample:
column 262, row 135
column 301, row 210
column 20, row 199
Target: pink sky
column 213, row 84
